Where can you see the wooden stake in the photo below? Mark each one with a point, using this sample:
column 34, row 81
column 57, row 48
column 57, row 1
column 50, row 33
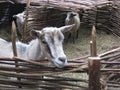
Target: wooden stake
column 14, row 36
column 94, row 50
column 25, row 22
column 91, row 49
column 94, row 73
column 94, row 64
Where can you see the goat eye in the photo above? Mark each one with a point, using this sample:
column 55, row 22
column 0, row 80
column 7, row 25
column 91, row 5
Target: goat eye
column 44, row 42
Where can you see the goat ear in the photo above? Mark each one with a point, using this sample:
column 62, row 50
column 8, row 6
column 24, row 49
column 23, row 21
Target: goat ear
column 73, row 14
column 35, row 33
column 66, row 28
column 14, row 16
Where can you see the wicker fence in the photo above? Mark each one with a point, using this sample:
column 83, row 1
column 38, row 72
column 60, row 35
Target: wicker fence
column 33, row 74
column 105, row 16
column 103, row 70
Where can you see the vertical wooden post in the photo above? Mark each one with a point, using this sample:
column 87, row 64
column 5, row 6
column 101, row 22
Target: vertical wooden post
column 93, row 46
column 94, row 64
column 91, row 51
column 25, row 22
column 94, row 73
column 13, row 37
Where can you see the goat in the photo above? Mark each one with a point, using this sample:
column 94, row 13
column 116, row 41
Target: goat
column 20, row 18
column 73, row 18
column 48, row 44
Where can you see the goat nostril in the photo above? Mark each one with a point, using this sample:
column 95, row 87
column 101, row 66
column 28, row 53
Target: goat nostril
column 62, row 59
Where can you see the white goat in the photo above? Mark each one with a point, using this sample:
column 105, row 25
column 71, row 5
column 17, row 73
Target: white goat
column 20, row 18
column 48, row 44
column 73, row 18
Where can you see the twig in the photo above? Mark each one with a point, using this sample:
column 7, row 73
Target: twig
column 25, row 22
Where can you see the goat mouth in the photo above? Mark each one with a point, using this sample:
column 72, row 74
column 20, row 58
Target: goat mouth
column 60, row 65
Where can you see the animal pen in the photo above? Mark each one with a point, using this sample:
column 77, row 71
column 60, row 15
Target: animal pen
column 102, row 70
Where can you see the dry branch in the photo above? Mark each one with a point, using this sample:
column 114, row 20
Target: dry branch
column 13, row 37
column 25, row 22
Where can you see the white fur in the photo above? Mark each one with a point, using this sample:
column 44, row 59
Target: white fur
column 73, row 20
column 51, row 48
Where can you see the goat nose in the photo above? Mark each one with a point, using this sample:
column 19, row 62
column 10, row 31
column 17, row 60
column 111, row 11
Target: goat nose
column 62, row 59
